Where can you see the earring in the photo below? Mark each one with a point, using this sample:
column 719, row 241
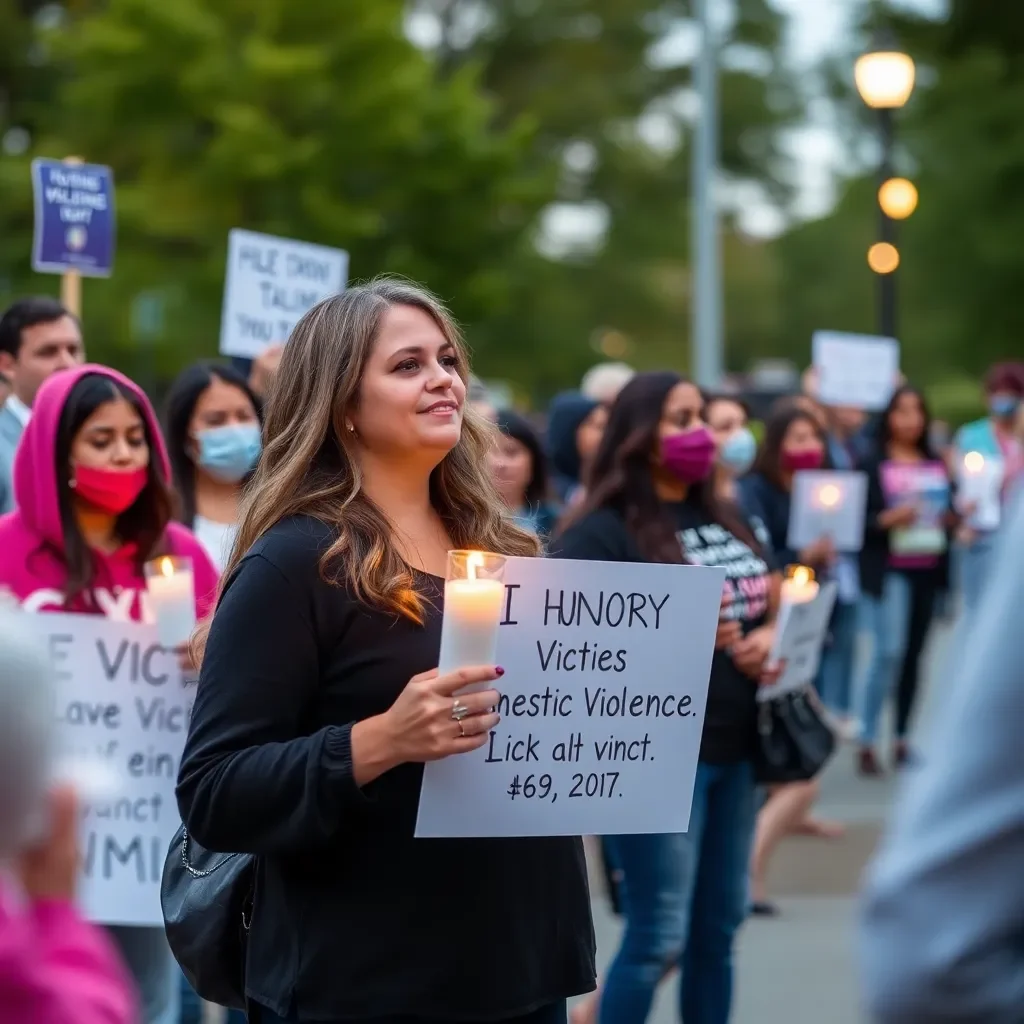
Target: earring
column 351, row 428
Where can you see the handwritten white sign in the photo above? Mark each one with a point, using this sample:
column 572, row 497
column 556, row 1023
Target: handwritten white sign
column 602, row 705
column 270, row 283
column 827, row 503
column 120, row 700
column 801, row 629
column 856, row 370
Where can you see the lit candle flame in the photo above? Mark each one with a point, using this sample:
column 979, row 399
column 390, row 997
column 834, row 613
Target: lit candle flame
column 474, row 561
column 802, row 575
column 166, row 566
column 829, row 495
column 974, row 462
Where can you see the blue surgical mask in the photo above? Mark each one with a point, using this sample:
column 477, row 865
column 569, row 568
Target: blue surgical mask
column 737, row 451
column 1003, row 406
column 229, row 453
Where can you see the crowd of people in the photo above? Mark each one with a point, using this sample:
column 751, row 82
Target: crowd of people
column 317, row 493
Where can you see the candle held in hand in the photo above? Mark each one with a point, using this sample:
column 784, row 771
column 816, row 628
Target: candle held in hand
column 799, row 586
column 473, row 597
column 171, row 592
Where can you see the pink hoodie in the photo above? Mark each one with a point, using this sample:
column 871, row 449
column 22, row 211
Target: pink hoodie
column 56, row 969
column 31, row 538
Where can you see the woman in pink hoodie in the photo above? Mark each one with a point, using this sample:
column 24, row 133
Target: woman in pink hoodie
column 54, row 968
column 93, row 505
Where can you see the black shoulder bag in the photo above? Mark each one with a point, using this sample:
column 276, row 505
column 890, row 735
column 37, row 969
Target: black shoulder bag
column 794, row 742
column 207, row 901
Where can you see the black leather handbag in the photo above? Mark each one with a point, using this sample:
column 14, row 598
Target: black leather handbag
column 207, row 901
column 794, row 740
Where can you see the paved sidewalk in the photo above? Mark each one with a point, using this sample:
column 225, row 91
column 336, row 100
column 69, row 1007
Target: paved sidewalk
column 799, row 968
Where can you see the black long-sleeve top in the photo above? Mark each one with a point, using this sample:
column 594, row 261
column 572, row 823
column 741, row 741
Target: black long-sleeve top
column 354, row 917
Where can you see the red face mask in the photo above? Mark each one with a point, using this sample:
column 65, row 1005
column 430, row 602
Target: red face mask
column 809, row 458
column 109, row 489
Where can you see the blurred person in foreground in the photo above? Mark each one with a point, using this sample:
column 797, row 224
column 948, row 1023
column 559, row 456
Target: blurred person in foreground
column 38, row 336
column 575, row 426
column 995, row 437
column 54, row 967
column 942, row 930
column 603, row 382
column 519, row 470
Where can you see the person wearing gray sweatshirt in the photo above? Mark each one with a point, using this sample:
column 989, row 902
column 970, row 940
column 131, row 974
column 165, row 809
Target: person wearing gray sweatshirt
column 942, row 926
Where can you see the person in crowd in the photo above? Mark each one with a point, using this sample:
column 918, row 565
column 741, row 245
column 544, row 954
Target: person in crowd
column 213, row 424
column 38, row 336
column 727, row 418
column 941, row 928
column 318, row 700
column 479, row 398
column 5, row 388
column 603, row 382
column 261, row 371
column 91, row 479
column 793, row 441
column 54, row 967
column 903, row 566
column 575, row 426
column 650, row 499
column 994, row 437
column 519, row 470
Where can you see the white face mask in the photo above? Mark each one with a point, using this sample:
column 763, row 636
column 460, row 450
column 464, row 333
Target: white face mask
column 737, row 452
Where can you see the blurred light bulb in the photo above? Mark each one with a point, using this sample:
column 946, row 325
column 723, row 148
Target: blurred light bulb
column 897, row 198
column 883, row 258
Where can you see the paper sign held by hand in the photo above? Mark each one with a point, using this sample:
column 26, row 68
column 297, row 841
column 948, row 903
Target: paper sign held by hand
column 856, row 370
column 831, row 504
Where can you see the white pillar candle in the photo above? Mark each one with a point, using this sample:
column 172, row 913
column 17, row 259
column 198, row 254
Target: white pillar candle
column 472, row 610
column 799, row 587
column 171, row 593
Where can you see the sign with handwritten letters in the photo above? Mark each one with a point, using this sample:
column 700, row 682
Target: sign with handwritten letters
column 828, row 503
column 74, row 218
column 602, row 705
column 801, row 631
column 856, row 370
column 121, row 702
column 270, row 283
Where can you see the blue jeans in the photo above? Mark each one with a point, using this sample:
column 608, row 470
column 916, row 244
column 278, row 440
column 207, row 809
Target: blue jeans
column 975, row 563
column 835, row 676
column 684, row 897
column 888, row 620
column 156, row 974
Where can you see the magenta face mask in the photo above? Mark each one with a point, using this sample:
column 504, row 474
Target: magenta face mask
column 810, row 458
column 689, row 457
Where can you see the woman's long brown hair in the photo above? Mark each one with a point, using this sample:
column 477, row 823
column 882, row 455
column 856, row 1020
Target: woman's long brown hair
column 308, row 465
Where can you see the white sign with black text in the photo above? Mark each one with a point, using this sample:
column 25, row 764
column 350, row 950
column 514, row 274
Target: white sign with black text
column 828, row 503
column 270, row 283
column 801, row 630
column 602, row 705
column 121, row 701
column 856, row 370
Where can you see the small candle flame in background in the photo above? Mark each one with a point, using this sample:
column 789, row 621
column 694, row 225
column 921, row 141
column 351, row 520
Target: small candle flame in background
column 166, row 566
column 829, row 495
column 802, row 575
column 474, row 561
column 974, row 462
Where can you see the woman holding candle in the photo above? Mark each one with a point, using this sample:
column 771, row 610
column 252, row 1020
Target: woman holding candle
column 93, row 506
column 519, row 470
column 319, row 699
column 650, row 499
column 213, row 439
column 904, row 565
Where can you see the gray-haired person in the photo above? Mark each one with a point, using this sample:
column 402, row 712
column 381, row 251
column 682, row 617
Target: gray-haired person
column 942, row 937
column 54, row 967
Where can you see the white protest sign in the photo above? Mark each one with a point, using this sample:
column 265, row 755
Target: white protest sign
column 827, row 503
column 270, row 283
column 120, row 700
column 801, row 631
column 980, row 487
column 857, row 370
column 602, row 705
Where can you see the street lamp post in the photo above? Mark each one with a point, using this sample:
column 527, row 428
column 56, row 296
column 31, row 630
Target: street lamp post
column 885, row 80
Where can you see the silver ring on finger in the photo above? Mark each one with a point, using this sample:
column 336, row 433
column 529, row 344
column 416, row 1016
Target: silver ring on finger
column 459, row 711
column 462, row 728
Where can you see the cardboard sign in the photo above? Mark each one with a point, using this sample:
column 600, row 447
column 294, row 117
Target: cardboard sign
column 121, row 701
column 270, row 283
column 856, row 370
column 801, row 631
column 74, row 218
column 830, row 504
column 602, row 705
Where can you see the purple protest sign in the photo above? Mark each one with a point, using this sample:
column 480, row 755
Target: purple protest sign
column 74, row 218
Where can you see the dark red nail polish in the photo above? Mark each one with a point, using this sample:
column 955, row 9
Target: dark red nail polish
column 499, row 670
